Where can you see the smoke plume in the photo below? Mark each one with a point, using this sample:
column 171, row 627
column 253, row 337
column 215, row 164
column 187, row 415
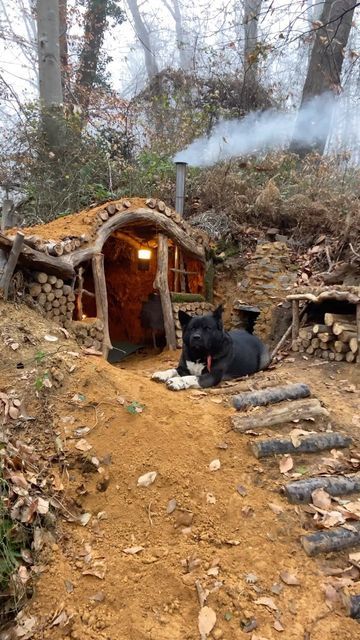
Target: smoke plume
column 262, row 131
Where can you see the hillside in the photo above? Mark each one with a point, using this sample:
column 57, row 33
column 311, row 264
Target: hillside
column 128, row 568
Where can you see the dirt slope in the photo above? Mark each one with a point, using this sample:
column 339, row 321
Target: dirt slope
column 223, row 537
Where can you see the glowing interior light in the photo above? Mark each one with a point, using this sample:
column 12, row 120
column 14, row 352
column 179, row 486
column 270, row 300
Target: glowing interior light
column 144, row 254
column 84, row 316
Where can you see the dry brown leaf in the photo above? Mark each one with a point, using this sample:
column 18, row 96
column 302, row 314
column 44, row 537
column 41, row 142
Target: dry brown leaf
column 131, row 551
column 267, row 602
column 85, row 518
column 60, row 620
column 83, row 445
column 98, row 570
column 14, row 413
column 295, row 436
column 276, row 508
column 289, row 578
column 355, row 557
column 42, row 506
column 321, row 499
column 353, row 507
column 171, row 506
column 278, row 626
column 332, row 518
column 98, row 597
column 206, row 621
column 286, row 464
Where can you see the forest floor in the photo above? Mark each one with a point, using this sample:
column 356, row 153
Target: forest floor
column 129, row 569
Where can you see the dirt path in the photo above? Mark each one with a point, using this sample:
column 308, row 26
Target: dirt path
column 226, row 536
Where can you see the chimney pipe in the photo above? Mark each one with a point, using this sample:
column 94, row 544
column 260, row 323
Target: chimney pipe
column 180, row 187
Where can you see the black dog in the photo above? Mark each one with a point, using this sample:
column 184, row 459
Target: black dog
column 211, row 355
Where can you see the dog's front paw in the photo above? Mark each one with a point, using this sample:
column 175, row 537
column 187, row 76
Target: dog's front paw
column 163, row 376
column 186, row 382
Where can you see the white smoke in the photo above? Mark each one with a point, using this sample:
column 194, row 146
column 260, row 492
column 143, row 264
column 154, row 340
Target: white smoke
column 261, row 131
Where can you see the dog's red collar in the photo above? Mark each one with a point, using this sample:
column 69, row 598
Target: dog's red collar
column 208, row 363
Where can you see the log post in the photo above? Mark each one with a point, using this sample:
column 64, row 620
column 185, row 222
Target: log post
column 101, row 300
column 80, row 285
column 295, row 319
column 161, row 283
column 11, row 264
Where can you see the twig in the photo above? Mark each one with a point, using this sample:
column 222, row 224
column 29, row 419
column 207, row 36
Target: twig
column 327, row 252
column 353, row 250
column 201, row 593
column 150, row 514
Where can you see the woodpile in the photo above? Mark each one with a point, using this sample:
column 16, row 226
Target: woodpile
column 52, row 297
column 89, row 333
column 335, row 340
column 193, row 309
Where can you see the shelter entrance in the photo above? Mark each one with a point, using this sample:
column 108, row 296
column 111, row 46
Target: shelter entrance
column 135, row 314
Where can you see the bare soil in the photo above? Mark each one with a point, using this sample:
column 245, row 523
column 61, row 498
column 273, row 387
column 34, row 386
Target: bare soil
column 234, row 544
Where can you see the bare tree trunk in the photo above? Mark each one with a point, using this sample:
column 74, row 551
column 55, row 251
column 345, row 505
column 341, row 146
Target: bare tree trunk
column 251, row 16
column 186, row 53
column 143, row 35
column 51, row 95
column 94, row 29
column 63, row 42
column 323, row 75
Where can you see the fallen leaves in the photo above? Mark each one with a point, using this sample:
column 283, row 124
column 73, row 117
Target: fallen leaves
column 267, row 602
column 289, row 578
column 206, row 621
column 147, row 479
column 286, row 464
column 83, row 445
column 320, row 498
column 132, row 551
column 276, row 508
column 171, row 506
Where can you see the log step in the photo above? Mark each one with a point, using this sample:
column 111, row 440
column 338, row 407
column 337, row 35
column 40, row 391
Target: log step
column 270, row 395
column 274, row 416
column 309, row 444
column 301, row 490
column 333, row 540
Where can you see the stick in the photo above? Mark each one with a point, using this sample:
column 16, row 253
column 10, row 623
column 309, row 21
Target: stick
column 270, row 396
column 248, row 384
column 286, row 334
column 308, row 444
column 300, row 491
column 295, row 319
column 334, row 540
column 289, row 411
column 201, row 593
column 11, row 264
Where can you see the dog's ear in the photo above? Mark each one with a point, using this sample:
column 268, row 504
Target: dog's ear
column 184, row 319
column 217, row 314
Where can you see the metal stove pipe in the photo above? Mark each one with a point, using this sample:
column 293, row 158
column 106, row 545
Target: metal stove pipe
column 180, row 187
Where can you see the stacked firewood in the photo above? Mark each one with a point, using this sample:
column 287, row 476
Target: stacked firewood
column 89, row 333
column 193, row 309
column 51, row 296
column 57, row 247
column 335, row 340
